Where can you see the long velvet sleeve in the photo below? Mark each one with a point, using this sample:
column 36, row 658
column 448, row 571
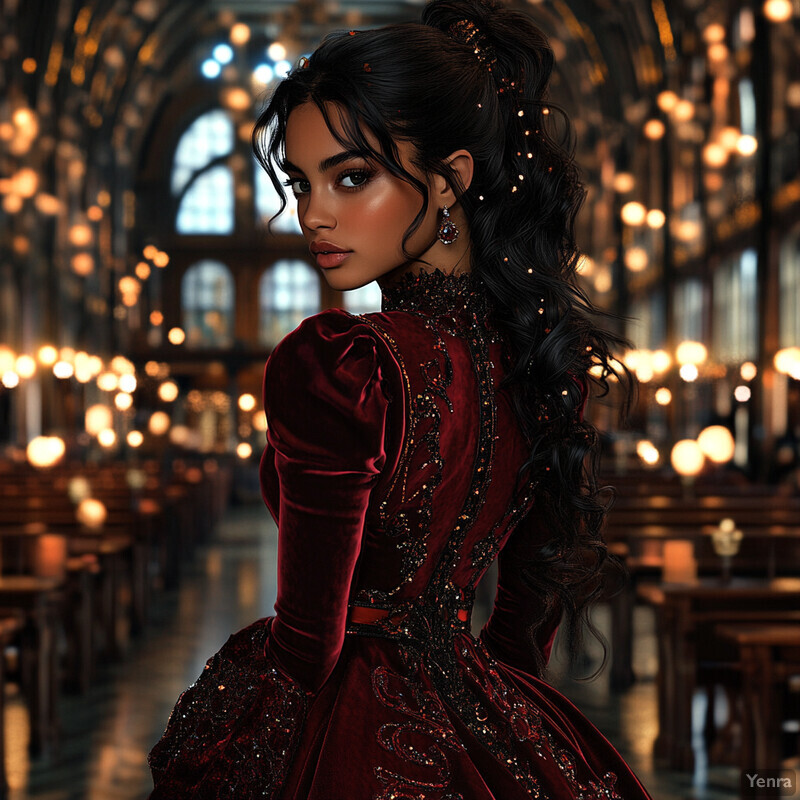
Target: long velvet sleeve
column 327, row 411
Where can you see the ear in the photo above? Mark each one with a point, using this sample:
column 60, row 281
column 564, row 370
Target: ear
column 461, row 161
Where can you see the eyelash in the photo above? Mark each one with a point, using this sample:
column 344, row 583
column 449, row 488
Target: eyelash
column 367, row 174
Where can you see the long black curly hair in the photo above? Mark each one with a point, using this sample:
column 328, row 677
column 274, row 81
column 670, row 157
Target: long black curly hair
column 474, row 75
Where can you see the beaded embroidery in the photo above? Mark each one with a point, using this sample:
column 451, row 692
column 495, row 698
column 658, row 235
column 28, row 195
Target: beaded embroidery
column 433, row 629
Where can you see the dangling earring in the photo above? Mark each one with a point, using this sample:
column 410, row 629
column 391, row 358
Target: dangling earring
column 448, row 232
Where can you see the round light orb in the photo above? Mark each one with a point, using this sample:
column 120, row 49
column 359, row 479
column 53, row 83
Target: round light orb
column 687, row 458
column 98, row 418
column 151, row 368
column 80, row 235
column 247, row 402
column 661, row 361
column 263, row 74
column 236, row 98
column 714, row 33
column 656, row 218
column 742, row 393
column 276, row 51
column 91, row 513
column 654, row 129
column 634, row 213
column 129, row 285
column 585, row 266
column 663, row 396
column 211, row 68
column 690, row 352
column 283, row 68
column 135, row 439
column 747, row 145
column 123, row 401
column 45, row 451
column 142, row 270
column 240, row 34
column 127, row 383
column 645, row 372
column 78, row 489
column 223, row 53
column 689, row 372
column 25, row 183
column 63, row 370
column 667, row 101
column 244, row 450
column 624, row 182
column 161, row 259
column 715, row 155
column 718, row 52
column 10, row 379
column 717, row 443
column 748, row 371
column 179, row 435
column 260, row 421
column 176, row 336
column 778, row 10
column 647, row 451
column 729, row 138
column 603, row 280
column 156, row 318
column 150, row 251
column 636, row 259
column 82, row 264
column 168, row 391
column 107, row 382
column 159, row 423
column 107, row 437
column 787, row 360
column 25, row 367
column 122, row 366
column 47, row 355
column 684, row 110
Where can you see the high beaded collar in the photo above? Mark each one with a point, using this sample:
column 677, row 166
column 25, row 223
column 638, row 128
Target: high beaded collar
column 462, row 296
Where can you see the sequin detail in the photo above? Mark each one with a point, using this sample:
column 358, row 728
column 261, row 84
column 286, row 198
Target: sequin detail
column 237, row 682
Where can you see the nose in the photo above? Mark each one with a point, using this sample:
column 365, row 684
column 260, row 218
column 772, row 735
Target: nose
column 316, row 212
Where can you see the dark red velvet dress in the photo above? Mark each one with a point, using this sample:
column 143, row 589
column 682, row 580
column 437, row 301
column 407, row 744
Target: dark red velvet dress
column 391, row 471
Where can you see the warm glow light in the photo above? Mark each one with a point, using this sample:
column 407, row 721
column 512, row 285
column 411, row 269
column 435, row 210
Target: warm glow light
column 689, row 372
column 25, row 183
column 715, row 155
column 123, row 401
column 129, row 285
column 663, row 396
column 748, row 371
column 82, row 264
column 742, row 393
column 276, row 51
column 161, row 259
column 260, row 421
column 623, row 182
column 98, row 418
column 647, row 451
column 67, row 354
column 47, row 355
column 656, row 218
column 654, row 129
column 787, row 361
column 717, row 52
column 142, row 270
column 634, row 213
column 91, row 513
column 667, row 101
column 684, row 110
column 603, row 281
column 7, row 358
column 168, row 391
column 690, row 352
column 25, row 367
column 95, row 213
column 156, row 318
column 661, row 361
column 176, row 336
column 240, row 34
column 151, row 368
column 47, row 204
column 107, row 382
column 150, row 251
column 778, row 10
column 247, row 402
column 80, row 235
column 717, row 443
column 236, row 98
column 78, row 489
column 244, row 450
column 107, row 437
column 127, row 383
column 636, row 259
column 63, row 370
column 729, row 138
column 714, row 33
column 44, row 451
column 585, row 266
column 180, row 435
column 747, row 145
column 159, row 423
column 135, row 439
column 10, row 379
column 687, row 458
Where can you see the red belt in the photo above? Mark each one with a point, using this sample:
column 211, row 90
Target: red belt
column 366, row 614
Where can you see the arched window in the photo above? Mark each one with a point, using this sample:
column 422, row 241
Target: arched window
column 288, row 293
column 205, row 188
column 268, row 203
column 207, row 301
column 364, row 299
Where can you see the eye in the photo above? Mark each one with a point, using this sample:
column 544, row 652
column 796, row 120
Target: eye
column 298, row 186
column 355, row 179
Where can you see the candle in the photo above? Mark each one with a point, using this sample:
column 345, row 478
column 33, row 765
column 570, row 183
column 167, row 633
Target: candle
column 680, row 565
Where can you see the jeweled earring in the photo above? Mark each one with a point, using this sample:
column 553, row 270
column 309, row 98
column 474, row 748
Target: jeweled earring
column 448, row 231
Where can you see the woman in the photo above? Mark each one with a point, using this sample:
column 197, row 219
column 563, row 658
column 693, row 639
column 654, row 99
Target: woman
column 409, row 448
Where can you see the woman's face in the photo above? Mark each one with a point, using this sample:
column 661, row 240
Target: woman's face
column 354, row 213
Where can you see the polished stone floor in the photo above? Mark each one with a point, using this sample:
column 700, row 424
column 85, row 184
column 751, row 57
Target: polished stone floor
column 107, row 734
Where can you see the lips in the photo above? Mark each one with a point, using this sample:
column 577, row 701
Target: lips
column 328, row 254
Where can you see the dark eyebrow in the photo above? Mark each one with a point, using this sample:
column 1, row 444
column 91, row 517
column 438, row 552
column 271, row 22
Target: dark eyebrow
column 327, row 163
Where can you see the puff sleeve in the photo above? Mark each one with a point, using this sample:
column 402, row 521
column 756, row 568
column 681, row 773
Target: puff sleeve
column 327, row 397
